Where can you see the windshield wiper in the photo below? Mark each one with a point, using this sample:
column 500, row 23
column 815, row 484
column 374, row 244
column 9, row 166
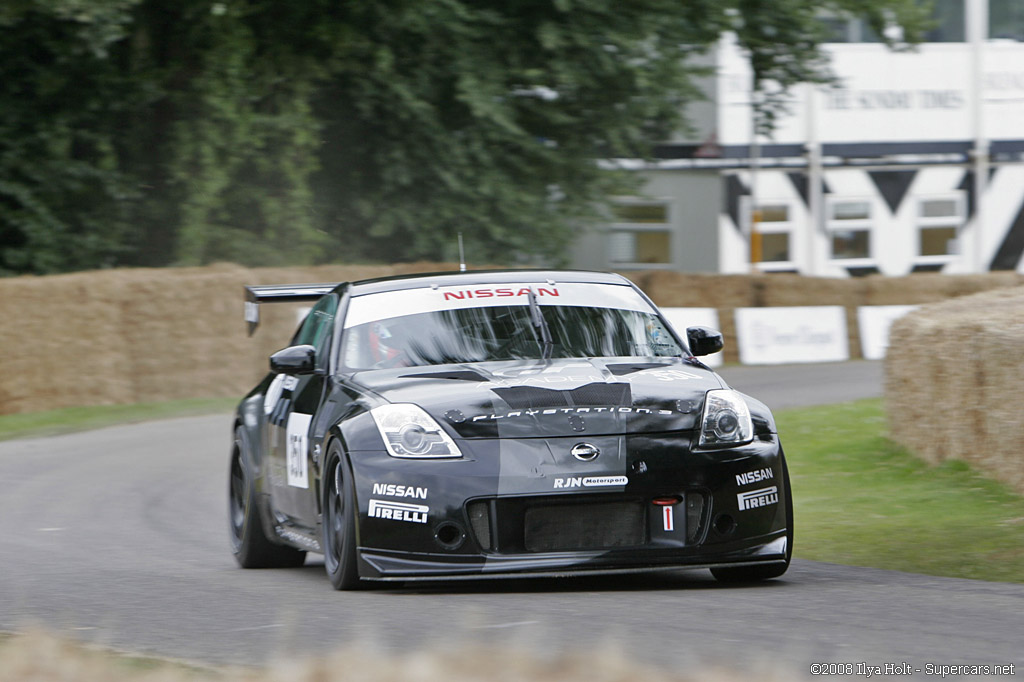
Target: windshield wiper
column 540, row 325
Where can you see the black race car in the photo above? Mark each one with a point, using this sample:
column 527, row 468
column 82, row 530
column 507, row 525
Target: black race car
column 498, row 424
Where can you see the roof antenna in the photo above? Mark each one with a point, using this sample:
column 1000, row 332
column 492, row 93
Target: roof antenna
column 462, row 255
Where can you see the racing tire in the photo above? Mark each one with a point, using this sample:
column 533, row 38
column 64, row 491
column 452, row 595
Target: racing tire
column 249, row 542
column 339, row 522
column 750, row 574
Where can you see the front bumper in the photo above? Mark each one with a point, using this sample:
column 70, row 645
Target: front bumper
column 527, row 508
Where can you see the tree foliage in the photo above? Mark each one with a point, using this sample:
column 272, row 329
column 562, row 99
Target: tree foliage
column 152, row 132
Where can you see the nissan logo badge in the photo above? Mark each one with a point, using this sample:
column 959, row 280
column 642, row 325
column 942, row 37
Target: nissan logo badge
column 585, row 452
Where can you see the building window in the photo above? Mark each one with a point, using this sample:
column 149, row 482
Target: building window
column 640, row 235
column 640, row 213
column 844, row 29
column 776, row 228
column 948, row 23
column 939, row 220
column 849, row 226
column 639, row 246
column 949, row 19
column 1006, row 19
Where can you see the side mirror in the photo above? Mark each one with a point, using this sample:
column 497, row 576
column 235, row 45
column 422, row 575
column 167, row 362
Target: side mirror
column 703, row 340
column 294, row 360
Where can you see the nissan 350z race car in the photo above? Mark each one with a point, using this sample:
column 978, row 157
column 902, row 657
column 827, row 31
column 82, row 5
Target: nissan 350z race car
column 499, row 424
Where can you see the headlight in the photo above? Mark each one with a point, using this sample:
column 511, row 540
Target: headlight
column 409, row 432
column 726, row 420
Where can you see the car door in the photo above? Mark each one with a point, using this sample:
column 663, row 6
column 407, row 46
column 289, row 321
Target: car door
column 297, row 398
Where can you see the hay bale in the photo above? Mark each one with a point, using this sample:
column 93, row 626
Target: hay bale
column 695, row 290
column 183, row 331
column 61, row 343
column 953, row 375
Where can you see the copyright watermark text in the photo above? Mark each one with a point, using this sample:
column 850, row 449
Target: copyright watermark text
column 865, row 669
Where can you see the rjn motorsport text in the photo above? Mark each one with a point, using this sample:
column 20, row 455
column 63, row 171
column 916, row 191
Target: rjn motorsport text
column 904, row 668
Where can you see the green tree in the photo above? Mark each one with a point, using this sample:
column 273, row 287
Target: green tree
column 487, row 117
column 63, row 199
column 226, row 140
column 187, row 131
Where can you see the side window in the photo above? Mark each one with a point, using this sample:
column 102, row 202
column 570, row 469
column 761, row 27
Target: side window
column 316, row 329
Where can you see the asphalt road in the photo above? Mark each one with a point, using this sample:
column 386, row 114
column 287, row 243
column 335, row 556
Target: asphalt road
column 118, row 536
column 809, row 384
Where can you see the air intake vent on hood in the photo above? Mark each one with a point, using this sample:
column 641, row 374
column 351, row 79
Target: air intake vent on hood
column 597, row 394
column 621, row 369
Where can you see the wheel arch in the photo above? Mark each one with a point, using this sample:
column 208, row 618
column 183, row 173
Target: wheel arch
column 336, row 434
column 250, row 418
column 252, row 461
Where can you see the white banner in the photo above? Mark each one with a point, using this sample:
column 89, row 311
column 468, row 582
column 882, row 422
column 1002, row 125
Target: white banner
column 773, row 336
column 886, row 96
column 681, row 318
column 874, row 322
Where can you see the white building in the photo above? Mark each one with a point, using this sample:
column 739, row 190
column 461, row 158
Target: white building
column 882, row 174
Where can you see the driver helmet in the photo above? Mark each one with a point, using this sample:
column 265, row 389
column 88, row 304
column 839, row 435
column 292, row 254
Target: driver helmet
column 384, row 345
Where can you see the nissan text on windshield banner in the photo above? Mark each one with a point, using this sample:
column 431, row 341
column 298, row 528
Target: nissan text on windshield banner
column 385, row 305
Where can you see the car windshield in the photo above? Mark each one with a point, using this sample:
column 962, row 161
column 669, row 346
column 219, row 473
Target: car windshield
column 505, row 333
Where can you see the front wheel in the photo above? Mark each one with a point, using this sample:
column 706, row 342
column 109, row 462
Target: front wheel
column 249, row 543
column 339, row 522
column 748, row 574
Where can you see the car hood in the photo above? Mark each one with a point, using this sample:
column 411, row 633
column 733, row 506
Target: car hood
column 547, row 398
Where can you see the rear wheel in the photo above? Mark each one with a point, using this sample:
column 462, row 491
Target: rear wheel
column 249, row 543
column 747, row 574
column 339, row 522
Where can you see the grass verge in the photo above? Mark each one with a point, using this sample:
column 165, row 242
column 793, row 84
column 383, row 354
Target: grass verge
column 859, row 499
column 70, row 419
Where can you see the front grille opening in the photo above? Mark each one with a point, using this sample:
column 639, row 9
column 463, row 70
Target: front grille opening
column 602, row 525
column 480, row 522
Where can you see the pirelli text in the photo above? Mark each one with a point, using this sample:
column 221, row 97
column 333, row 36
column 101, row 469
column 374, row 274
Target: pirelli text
column 865, row 669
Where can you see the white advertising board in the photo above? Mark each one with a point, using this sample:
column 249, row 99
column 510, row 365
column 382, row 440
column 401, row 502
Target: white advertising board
column 681, row 318
column 774, row 336
column 882, row 95
column 874, row 322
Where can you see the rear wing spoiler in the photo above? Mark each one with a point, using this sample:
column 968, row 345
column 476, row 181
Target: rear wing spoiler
column 280, row 293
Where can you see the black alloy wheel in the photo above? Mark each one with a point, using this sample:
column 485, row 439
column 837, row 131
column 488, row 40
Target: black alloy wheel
column 339, row 522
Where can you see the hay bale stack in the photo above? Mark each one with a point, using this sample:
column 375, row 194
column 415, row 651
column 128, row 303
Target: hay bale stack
column 59, row 342
column 953, row 377
column 182, row 334
column 145, row 335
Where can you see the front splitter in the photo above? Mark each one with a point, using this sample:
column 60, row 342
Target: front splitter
column 389, row 567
